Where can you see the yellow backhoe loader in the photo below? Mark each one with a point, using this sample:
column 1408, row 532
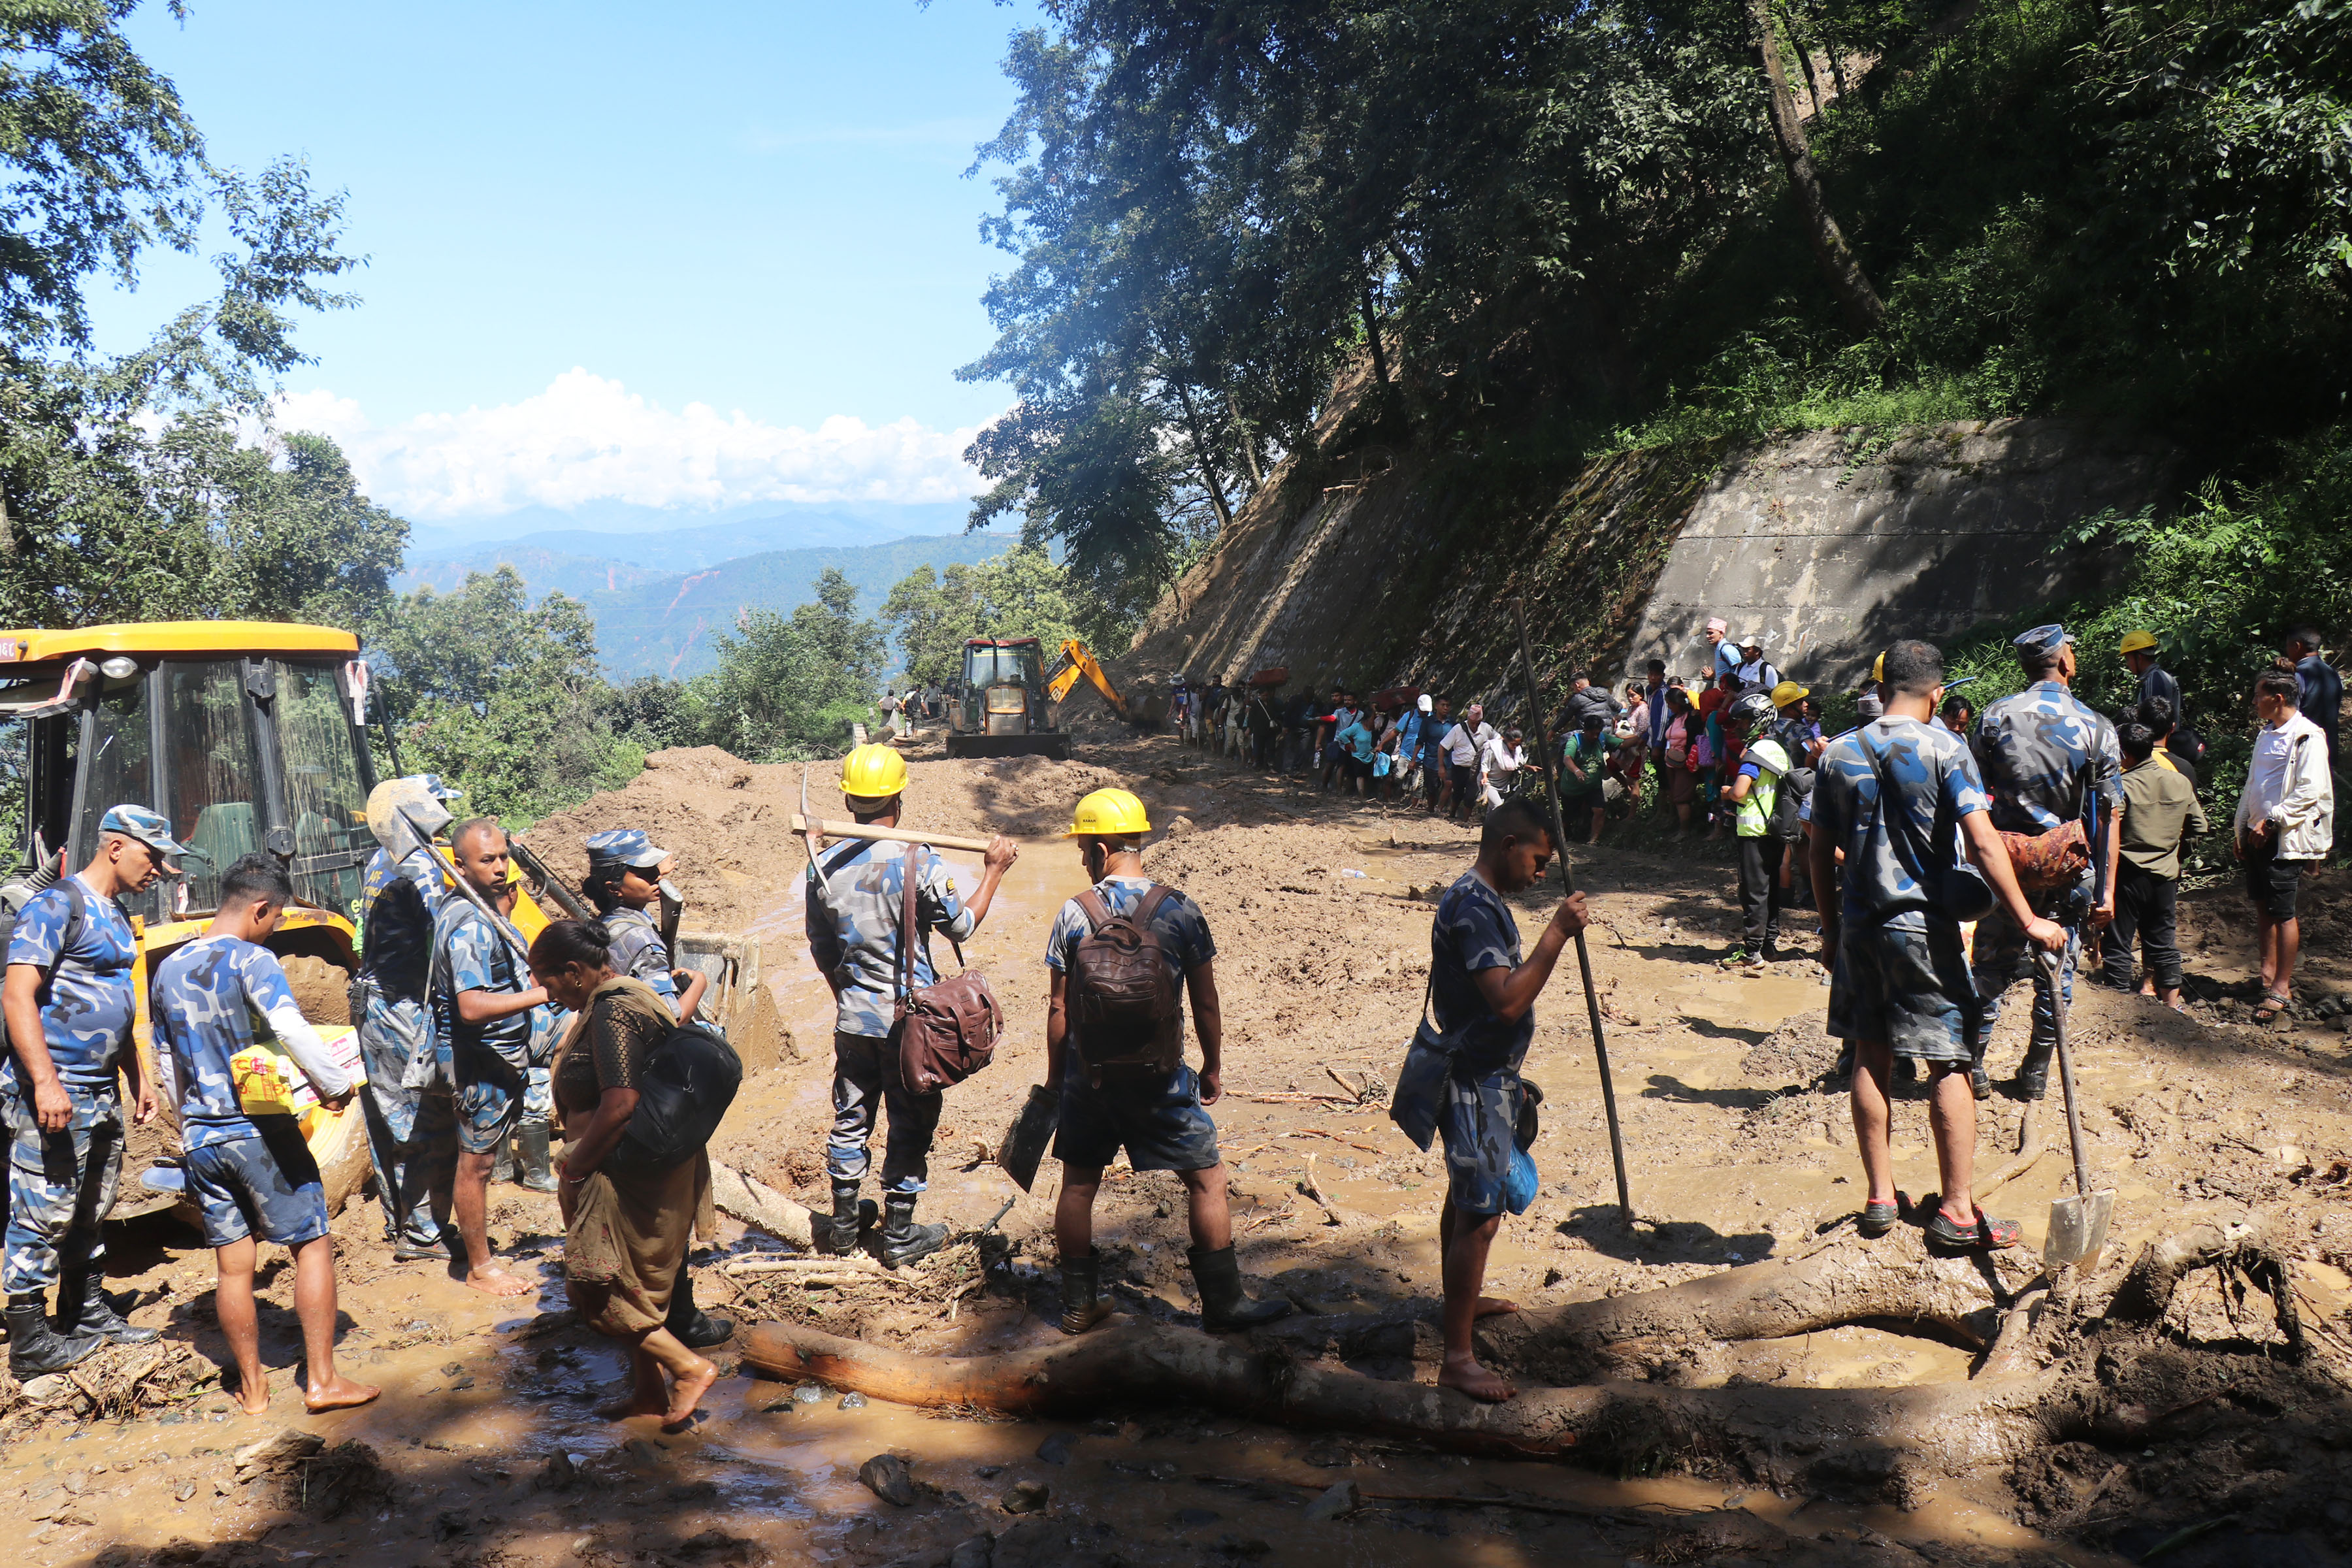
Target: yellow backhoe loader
column 245, row 735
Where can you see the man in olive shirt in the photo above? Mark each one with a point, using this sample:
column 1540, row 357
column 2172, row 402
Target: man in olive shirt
column 2159, row 807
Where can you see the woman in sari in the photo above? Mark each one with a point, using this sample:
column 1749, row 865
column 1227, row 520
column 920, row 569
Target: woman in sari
column 625, row 1231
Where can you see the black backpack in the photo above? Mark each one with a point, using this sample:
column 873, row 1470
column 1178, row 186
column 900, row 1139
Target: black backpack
column 689, row 1080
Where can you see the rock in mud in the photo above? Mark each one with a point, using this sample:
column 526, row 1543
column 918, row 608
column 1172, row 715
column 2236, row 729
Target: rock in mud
column 853, row 1401
column 979, row 1551
column 1335, row 1502
column 1026, row 1497
column 809, row 1394
column 1055, row 1449
column 886, row 1477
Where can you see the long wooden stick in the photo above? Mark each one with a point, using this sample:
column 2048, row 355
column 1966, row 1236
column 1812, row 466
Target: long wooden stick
column 892, row 834
column 1568, row 886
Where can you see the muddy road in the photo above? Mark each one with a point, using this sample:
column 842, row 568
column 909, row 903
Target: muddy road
column 485, row 1449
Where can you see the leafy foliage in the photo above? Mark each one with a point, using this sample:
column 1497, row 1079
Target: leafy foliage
column 1020, row 594
column 790, row 687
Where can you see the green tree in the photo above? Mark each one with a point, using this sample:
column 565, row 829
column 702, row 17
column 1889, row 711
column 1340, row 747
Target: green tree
column 790, row 687
column 1020, row 593
column 503, row 696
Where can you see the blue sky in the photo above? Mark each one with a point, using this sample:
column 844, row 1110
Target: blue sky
column 694, row 256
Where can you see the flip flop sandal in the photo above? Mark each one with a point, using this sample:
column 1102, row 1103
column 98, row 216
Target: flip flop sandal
column 1878, row 1218
column 2273, row 1005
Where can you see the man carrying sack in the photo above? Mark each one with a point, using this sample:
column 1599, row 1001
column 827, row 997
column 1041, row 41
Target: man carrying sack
column 856, row 898
column 2054, row 773
column 1124, row 954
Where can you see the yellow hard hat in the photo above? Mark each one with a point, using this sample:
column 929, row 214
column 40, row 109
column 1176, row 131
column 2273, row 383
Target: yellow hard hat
column 876, row 772
column 2137, row 642
column 1788, row 692
column 1108, row 813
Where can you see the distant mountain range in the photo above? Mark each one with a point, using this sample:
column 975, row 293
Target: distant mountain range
column 659, row 599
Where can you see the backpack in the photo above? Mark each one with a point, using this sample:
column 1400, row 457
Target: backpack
column 689, row 1080
column 947, row 1031
column 1784, row 823
column 1123, row 989
column 78, row 917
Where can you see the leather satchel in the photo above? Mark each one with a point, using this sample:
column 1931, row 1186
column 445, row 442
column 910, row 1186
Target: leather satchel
column 2047, row 861
column 948, row 1030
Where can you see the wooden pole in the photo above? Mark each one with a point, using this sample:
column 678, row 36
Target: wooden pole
column 892, row 834
column 1568, row 886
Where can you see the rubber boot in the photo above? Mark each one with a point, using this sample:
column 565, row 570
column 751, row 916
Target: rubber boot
column 83, row 1310
column 2033, row 1073
column 533, row 1166
column 840, row 1233
column 35, row 1348
column 695, row 1329
column 502, row 1167
column 904, row 1241
column 1082, row 1303
column 1223, row 1304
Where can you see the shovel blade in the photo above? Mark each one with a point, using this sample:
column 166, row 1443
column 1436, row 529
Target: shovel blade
column 1024, row 1142
column 2078, row 1229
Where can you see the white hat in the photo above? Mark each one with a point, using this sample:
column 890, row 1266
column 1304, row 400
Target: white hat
column 1426, row 705
column 1752, row 639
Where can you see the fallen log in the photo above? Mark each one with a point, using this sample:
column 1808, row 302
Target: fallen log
column 1893, row 1277
column 754, row 1202
column 1636, row 1428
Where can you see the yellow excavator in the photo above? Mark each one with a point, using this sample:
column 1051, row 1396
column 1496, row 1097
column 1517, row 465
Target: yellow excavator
column 245, row 735
column 1077, row 662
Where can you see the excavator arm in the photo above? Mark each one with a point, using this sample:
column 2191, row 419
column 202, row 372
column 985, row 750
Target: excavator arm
column 1077, row 662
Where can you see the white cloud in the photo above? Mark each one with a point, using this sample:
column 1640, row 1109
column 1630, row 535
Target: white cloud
column 587, row 439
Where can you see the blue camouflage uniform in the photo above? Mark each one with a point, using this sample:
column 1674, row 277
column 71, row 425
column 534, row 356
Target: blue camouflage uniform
column 638, row 951
column 1156, row 1117
column 412, row 1130
column 248, row 1175
column 2042, row 754
column 1900, row 974
column 852, row 934
column 1460, row 1080
column 491, row 1064
column 61, row 1185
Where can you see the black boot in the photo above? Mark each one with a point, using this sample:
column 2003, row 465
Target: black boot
column 1082, row 1303
column 502, row 1166
column 35, row 1348
column 904, row 1241
column 531, row 1158
column 2033, row 1073
column 1223, row 1304
column 83, row 1310
column 695, row 1329
column 839, row 1236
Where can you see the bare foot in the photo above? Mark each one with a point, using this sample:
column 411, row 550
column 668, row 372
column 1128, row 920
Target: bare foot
column 253, row 1398
column 1473, row 1379
column 341, row 1394
column 1494, row 1306
column 496, row 1281
column 688, row 1393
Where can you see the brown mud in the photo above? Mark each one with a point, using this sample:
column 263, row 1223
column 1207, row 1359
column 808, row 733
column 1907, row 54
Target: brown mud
column 485, row 1449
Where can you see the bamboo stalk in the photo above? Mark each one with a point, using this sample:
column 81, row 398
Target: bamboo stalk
column 889, row 835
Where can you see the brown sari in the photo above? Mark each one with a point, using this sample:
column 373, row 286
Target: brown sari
column 626, row 1237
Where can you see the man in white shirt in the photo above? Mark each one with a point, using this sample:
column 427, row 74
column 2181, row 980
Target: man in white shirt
column 2285, row 823
column 1500, row 762
column 1462, row 744
column 1755, row 671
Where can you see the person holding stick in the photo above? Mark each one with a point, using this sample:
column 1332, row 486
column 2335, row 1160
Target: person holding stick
column 1461, row 1079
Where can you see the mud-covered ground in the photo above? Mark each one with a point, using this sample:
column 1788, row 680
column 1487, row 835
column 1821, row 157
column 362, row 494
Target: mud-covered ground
column 1737, row 1150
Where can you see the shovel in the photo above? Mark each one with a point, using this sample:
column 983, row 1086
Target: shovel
column 2078, row 1225
column 1024, row 1142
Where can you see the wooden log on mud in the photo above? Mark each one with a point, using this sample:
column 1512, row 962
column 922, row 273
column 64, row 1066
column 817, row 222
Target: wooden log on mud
column 1892, row 1278
column 1639, row 1427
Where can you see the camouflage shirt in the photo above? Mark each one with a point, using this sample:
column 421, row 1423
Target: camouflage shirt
column 2037, row 750
column 853, row 927
column 638, row 951
column 468, row 955
column 213, row 999
column 1932, row 775
column 85, row 992
column 1473, row 931
column 398, row 905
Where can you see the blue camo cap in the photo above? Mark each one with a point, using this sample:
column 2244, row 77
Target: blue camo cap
column 147, row 827
column 437, row 788
column 625, row 846
column 2041, row 642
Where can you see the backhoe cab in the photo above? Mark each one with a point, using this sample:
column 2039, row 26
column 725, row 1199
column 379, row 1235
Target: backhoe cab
column 1002, row 711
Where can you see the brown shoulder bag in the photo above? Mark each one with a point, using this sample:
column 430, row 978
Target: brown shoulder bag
column 948, row 1030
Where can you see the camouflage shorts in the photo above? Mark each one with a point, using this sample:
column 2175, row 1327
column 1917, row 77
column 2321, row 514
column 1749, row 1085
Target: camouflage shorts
column 265, row 1187
column 1478, row 1124
column 61, row 1186
column 491, row 1099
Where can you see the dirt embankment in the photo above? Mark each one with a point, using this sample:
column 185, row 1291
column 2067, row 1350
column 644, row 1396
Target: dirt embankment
column 1738, row 1156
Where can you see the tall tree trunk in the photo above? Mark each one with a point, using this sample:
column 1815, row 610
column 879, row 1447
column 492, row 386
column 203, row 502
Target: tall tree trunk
column 1201, row 452
column 1249, row 440
column 1805, row 58
column 1857, row 299
column 1404, row 262
column 1372, row 332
